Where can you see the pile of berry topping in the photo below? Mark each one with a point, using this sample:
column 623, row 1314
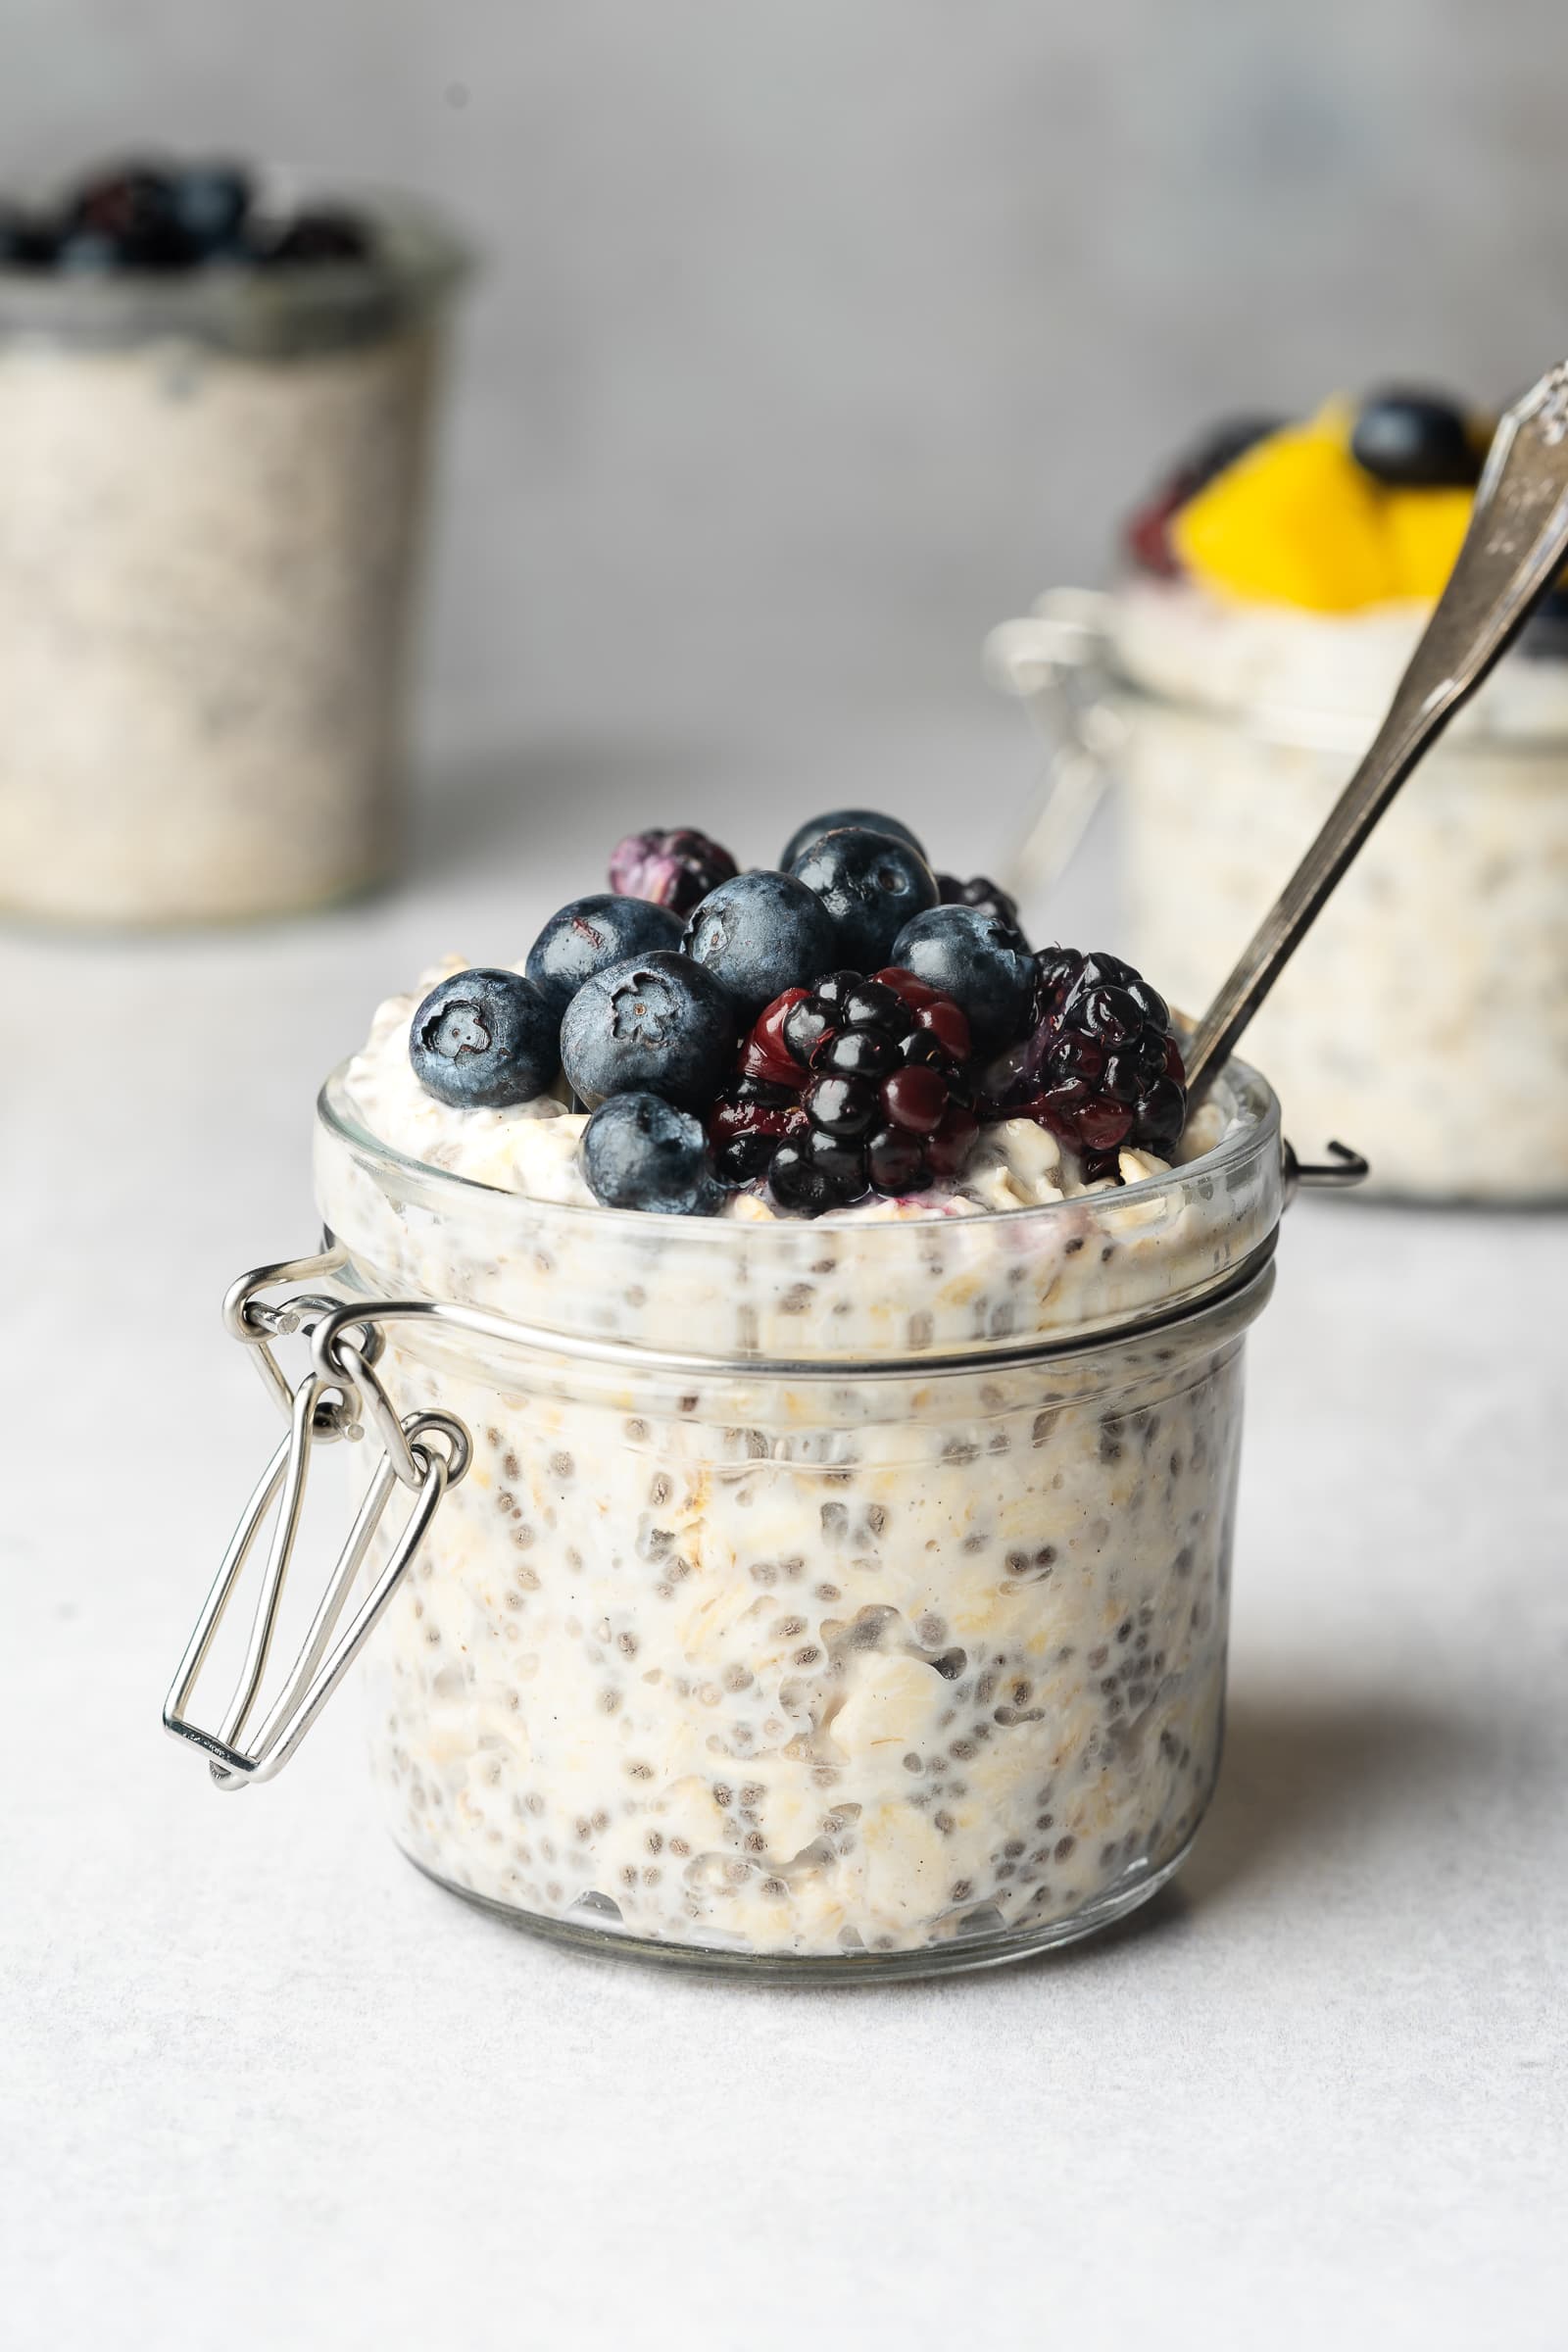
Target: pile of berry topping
column 168, row 217
column 839, row 1028
column 1364, row 504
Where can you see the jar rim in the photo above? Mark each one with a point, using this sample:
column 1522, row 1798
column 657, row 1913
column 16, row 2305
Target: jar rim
column 844, row 1288
column 416, row 264
column 1094, row 638
column 1257, row 1115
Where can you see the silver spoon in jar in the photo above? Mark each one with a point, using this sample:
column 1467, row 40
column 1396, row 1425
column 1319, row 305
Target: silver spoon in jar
column 1512, row 550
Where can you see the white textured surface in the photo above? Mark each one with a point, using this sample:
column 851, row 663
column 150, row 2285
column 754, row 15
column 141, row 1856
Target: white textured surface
column 260, row 2078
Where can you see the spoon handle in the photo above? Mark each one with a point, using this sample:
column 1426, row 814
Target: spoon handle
column 1512, row 552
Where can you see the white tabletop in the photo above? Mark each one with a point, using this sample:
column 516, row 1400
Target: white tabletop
column 261, row 2078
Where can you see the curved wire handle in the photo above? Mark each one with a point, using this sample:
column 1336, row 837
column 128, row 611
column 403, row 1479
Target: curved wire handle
column 1512, row 550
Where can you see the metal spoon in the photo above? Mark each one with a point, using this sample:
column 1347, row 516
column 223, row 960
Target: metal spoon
column 1512, row 550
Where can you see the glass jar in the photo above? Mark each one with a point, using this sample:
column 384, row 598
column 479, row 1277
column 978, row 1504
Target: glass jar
column 210, row 513
column 802, row 1597
column 1426, row 1016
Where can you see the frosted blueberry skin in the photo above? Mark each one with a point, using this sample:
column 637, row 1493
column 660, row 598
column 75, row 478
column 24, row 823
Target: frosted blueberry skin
column 978, row 961
column 590, row 934
column 760, row 934
column 872, row 884
column 865, row 821
column 657, row 1024
column 484, row 1039
column 639, row 1151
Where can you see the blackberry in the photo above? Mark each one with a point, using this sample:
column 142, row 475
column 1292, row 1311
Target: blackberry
column 856, row 1085
column 674, row 868
column 985, row 897
column 1100, row 1067
column 750, row 1120
column 1146, row 533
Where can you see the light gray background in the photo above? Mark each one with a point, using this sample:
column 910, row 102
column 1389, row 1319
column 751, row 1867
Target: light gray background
column 814, row 337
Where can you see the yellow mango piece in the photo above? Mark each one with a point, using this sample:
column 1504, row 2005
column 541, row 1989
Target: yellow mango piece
column 1294, row 521
column 1426, row 527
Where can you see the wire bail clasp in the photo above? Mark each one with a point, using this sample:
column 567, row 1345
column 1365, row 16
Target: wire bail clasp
column 425, row 1452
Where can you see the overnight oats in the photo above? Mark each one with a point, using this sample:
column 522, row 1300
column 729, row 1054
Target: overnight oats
column 844, row 1317
column 1277, row 586
column 215, row 409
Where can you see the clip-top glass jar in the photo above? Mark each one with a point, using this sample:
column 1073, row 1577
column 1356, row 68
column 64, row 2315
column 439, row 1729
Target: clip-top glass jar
column 211, row 503
column 1427, row 1013
column 847, row 1596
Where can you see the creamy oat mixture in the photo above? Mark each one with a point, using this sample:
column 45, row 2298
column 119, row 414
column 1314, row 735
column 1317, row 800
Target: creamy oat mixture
column 803, row 1665
column 205, row 567
column 1436, row 978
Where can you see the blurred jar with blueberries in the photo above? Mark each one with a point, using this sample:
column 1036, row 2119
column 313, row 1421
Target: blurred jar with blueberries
column 216, row 407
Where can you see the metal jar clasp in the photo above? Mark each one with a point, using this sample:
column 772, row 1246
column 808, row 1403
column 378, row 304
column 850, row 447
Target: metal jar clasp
column 1338, row 1173
column 424, row 1452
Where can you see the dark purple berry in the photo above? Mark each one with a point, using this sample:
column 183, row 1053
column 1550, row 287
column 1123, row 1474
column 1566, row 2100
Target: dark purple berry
column 675, row 868
column 1100, row 1066
column 1146, row 536
column 856, row 1052
column 841, row 1105
column 895, row 1160
column 766, row 1050
column 798, row 1182
column 861, row 1059
column 916, row 1099
column 983, row 897
column 748, row 1121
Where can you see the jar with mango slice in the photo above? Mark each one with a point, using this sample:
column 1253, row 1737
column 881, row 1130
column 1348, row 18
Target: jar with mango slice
column 1272, row 590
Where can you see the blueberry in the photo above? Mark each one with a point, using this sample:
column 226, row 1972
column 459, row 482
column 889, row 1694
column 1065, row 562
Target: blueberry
column 126, row 219
column 325, row 235
column 25, row 242
column 484, row 1040
column 657, row 1024
column 866, row 821
column 760, row 934
column 210, row 201
column 1416, row 440
column 872, row 884
column 975, row 960
column 591, row 934
column 639, row 1151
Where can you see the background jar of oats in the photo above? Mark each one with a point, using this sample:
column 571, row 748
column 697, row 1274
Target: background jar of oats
column 210, row 519
column 884, row 1634
column 1427, row 1012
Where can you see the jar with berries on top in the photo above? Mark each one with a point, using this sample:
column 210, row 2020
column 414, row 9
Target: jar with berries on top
column 217, row 393
column 1271, row 592
column 800, row 1329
